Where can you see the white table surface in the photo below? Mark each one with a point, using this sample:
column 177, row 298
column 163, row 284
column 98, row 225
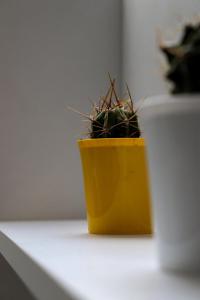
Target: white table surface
column 58, row 260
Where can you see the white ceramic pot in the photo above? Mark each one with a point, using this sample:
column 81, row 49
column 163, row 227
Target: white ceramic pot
column 171, row 126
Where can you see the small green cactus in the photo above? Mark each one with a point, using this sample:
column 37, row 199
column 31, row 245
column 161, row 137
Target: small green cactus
column 112, row 117
column 184, row 61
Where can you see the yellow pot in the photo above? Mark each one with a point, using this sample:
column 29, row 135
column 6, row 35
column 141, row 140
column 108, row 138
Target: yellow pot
column 116, row 185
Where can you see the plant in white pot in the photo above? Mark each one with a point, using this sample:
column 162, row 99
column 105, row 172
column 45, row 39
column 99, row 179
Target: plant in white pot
column 171, row 125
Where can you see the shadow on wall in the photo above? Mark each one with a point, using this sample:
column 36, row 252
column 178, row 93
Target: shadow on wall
column 53, row 54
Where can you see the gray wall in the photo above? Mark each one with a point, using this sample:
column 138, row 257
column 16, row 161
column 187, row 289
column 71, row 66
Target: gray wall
column 52, row 54
column 142, row 64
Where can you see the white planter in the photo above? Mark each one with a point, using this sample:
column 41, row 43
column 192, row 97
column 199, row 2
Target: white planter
column 171, row 126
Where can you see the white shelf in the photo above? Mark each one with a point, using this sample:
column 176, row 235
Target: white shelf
column 58, row 260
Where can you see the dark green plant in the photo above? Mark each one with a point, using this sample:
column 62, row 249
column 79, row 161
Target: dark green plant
column 184, row 61
column 112, row 117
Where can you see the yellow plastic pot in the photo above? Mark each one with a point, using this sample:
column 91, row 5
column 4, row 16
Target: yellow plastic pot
column 116, row 185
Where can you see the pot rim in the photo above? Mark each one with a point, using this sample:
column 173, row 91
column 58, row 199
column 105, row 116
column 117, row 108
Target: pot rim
column 165, row 104
column 110, row 142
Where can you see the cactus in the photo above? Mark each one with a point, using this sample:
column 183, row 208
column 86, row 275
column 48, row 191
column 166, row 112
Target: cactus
column 184, row 61
column 112, row 117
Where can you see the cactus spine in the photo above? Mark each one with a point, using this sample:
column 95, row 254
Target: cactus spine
column 114, row 118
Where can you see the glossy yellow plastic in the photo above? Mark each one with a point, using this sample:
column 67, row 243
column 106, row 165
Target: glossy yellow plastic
column 116, row 185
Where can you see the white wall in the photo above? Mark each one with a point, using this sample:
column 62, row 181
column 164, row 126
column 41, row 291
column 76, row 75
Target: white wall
column 52, row 54
column 142, row 66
